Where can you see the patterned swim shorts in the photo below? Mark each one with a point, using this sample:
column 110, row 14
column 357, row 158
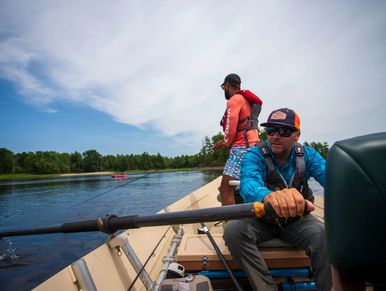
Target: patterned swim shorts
column 233, row 163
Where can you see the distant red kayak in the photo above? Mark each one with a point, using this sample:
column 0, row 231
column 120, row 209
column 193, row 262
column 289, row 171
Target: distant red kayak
column 120, row 176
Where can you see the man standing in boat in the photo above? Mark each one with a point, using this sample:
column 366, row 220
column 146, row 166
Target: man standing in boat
column 239, row 124
column 277, row 172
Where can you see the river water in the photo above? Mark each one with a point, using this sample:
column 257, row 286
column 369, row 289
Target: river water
column 27, row 261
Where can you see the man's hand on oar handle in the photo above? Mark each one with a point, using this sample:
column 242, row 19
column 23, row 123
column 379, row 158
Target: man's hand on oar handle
column 288, row 203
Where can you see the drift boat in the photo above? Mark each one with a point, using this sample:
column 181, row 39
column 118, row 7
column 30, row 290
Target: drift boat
column 143, row 258
column 175, row 250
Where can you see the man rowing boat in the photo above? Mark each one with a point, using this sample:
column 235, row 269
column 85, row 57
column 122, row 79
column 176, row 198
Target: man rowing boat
column 277, row 172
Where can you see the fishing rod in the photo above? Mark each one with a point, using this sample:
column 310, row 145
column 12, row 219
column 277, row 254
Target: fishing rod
column 105, row 192
column 147, row 260
column 221, row 256
column 111, row 223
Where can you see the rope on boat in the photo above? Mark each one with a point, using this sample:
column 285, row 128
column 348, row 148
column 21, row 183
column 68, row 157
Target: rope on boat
column 147, row 260
column 105, row 192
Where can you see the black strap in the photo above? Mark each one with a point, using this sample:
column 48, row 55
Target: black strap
column 300, row 164
column 300, row 167
column 267, row 155
column 245, row 132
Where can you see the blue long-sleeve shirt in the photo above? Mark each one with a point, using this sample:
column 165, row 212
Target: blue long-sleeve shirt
column 253, row 173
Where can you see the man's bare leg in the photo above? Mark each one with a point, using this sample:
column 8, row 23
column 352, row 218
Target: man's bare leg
column 227, row 192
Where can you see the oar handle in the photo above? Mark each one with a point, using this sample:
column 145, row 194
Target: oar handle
column 228, row 212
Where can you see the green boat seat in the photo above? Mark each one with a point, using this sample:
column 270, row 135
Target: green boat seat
column 355, row 208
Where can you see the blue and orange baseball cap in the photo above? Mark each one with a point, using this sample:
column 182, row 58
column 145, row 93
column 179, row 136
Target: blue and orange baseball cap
column 284, row 117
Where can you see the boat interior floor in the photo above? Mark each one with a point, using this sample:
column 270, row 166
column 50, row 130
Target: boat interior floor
column 198, row 256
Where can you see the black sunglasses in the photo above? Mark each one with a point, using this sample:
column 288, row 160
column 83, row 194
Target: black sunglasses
column 283, row 132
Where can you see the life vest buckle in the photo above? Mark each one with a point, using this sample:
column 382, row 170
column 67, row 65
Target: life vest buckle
column 299, row 151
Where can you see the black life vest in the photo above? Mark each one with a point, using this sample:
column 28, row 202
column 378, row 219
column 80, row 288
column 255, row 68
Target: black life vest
column 275, row 181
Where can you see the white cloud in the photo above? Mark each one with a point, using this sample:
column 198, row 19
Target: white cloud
column 159, row 64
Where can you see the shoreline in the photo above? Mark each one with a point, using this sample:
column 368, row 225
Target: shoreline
column 21, row 176
column 85, row 174
column 133, row 171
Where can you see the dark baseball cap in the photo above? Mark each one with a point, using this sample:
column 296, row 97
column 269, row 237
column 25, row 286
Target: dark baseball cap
column 232, row 79
column 284, row 117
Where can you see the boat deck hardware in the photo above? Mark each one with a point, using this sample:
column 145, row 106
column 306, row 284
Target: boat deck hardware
column 170, row 257
column 124, row 244
column 83, row 276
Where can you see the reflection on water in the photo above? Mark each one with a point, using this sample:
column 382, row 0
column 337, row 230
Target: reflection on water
column 27, row 261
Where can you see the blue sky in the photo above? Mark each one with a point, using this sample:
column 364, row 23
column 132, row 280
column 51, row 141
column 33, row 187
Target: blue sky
column 71, row 128
column 134, row 76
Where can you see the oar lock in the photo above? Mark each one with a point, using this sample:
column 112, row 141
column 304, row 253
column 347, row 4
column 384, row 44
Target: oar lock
column 103, row 224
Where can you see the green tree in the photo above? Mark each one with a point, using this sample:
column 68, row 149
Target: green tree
column 262, row 134
column 25, row 162
column 109, row 162
column 76, row 162
column 178, row 162
column 7, row 164
column 64, row 162
column 50, row 162
column 145, row 163
column 92, row 161
column 322, row 148
column 220, row 155
column 121, row 163
column 159, row 161
column 192, row 161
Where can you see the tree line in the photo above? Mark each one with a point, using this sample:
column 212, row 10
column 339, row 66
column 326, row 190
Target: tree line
column 51, row 162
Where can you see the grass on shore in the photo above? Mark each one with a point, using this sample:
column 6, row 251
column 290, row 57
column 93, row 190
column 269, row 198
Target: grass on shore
column 26, row 176
column 21, row 176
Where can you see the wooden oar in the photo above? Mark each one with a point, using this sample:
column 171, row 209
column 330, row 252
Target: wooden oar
column 112, row 223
